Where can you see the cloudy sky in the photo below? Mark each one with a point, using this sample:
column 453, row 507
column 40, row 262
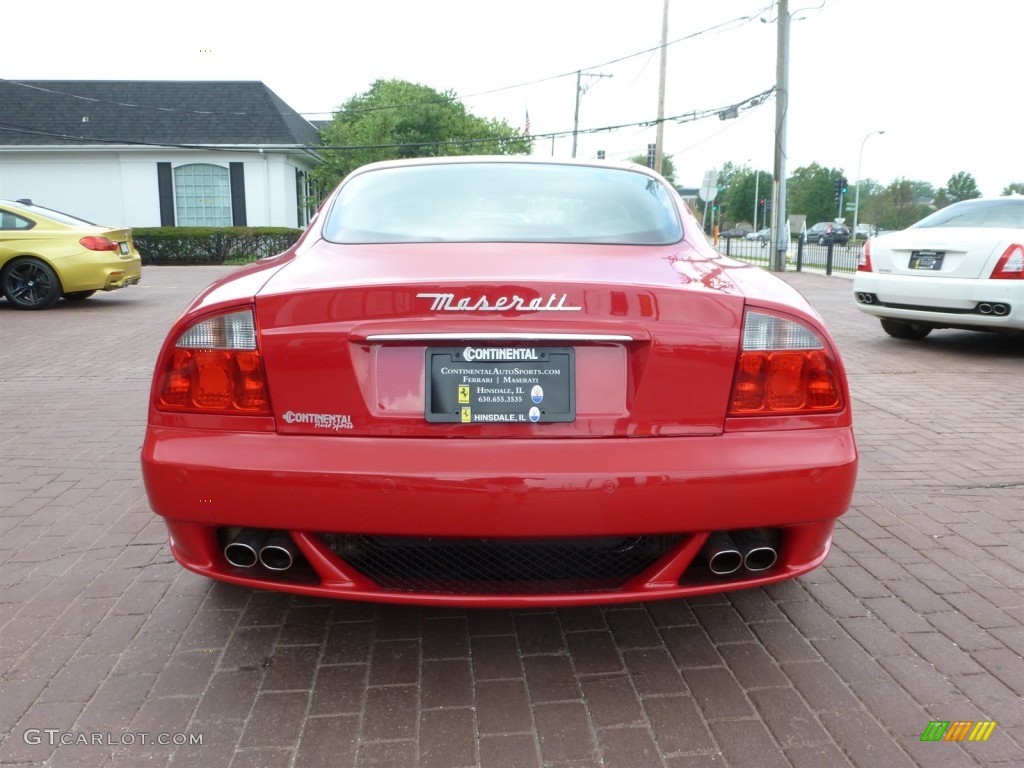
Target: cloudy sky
column 942, row 79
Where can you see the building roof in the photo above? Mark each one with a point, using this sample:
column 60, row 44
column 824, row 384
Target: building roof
column 157, row 112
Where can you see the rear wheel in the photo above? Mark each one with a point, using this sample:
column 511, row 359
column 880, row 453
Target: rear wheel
column 901, row 330
column 77, row 295
column 30, row 284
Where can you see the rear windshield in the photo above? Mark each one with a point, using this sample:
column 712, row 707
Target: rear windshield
column 503, row 202
column 1008, row 213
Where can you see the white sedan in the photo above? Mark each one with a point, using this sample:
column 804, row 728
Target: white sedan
column 960, row 267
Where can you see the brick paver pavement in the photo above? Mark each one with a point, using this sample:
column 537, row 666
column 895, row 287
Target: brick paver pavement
column 916, row 616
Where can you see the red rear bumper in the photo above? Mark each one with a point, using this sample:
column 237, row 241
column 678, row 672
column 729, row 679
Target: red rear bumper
column 794, row 481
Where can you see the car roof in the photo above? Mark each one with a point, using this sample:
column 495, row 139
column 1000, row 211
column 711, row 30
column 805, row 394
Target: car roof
column 503, row 159
column 23, row 204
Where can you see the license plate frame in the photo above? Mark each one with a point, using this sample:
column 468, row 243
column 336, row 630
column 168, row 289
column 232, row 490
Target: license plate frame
column 123, row 248
column 500, row 385
column 927, row 261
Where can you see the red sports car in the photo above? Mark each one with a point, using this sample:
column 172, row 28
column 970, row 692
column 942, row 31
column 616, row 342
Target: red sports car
column 500, row 382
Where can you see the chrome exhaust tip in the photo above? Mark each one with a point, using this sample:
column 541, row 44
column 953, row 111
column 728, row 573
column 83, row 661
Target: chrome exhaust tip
column 243, row 550
column 1000, row 309
column 985, row 308
column 278, row 552
column 758, row 553
column 722, row 555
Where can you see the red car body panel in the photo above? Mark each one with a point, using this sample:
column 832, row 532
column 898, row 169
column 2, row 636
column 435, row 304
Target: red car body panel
column 343, row 331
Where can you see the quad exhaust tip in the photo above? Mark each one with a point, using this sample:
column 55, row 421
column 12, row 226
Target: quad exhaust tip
column 278, row 552
column 993, row 308
column 722, row 554
column 274, row 550
column 726, row 553
column 758, row 554
column 243, row 551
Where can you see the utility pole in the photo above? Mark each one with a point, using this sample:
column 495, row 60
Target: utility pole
column 580, row 90
column 778, row 261
column 659, row 149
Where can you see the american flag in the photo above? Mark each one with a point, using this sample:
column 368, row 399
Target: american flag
column 526, row 125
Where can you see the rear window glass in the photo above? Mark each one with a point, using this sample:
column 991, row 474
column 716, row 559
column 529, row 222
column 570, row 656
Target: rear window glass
column 1008, row 213
column 503, row 202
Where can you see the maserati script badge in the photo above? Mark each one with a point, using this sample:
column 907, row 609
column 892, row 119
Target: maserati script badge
column 447, row 302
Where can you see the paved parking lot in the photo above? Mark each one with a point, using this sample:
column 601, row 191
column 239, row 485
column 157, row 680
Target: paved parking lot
column 108, row 647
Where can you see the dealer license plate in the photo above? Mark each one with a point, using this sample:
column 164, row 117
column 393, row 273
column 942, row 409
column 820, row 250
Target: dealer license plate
column 511, row 385
column 926, row 260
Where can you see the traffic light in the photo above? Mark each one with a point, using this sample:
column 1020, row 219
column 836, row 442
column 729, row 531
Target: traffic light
column 842, row 185
column 651, row 148
column 837, row 189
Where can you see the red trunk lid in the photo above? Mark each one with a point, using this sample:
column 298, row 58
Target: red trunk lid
column 642, row 340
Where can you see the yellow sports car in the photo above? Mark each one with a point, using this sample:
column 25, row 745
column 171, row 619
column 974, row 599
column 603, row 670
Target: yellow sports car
column 46, row 255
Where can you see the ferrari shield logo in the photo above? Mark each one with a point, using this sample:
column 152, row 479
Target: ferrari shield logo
column 463, row 395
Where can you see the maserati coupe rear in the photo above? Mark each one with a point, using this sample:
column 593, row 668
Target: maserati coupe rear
column 500, row 382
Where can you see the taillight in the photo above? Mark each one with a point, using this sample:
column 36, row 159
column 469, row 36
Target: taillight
column 94, row 243
column 864, row 261
column 215, row 367
column 1011, row 264
column 784, row 368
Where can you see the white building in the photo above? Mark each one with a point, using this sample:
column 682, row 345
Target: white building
column 157, row 153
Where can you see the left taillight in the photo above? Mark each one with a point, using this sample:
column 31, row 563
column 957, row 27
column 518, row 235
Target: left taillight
column 215, row 367
column 98, row 243
column 784, row 368
column 864, row 262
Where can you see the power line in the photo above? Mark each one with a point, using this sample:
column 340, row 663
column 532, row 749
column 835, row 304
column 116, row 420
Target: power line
column 688, row 117
column 721, row 26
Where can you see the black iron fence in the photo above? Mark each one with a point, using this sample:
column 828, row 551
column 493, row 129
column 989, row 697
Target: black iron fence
column 828, row 258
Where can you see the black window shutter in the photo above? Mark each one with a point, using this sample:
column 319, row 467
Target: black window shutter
column 165, row 186
column 238, row 194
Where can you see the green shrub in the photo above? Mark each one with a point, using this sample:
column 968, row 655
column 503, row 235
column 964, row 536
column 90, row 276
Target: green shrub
column 211, row 245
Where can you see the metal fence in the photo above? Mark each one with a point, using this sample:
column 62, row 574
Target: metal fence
column 829, row 258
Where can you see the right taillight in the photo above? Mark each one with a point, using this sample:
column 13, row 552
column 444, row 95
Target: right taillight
column 864, row 262
column 1011, row 264
column 784, row 368
column 215, row 367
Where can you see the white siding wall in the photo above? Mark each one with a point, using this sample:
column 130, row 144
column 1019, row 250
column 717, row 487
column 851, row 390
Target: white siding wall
column 120, row 187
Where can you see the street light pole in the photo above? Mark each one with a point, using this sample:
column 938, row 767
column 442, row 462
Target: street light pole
column 856, row 196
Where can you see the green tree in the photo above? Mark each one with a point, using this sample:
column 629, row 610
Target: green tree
column 399, row 119
column 741, row 199
column 900, row 205
column 1016, row 188
column 870, row 202
column 810, row 191
column 668, row 168
column 961, row 186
